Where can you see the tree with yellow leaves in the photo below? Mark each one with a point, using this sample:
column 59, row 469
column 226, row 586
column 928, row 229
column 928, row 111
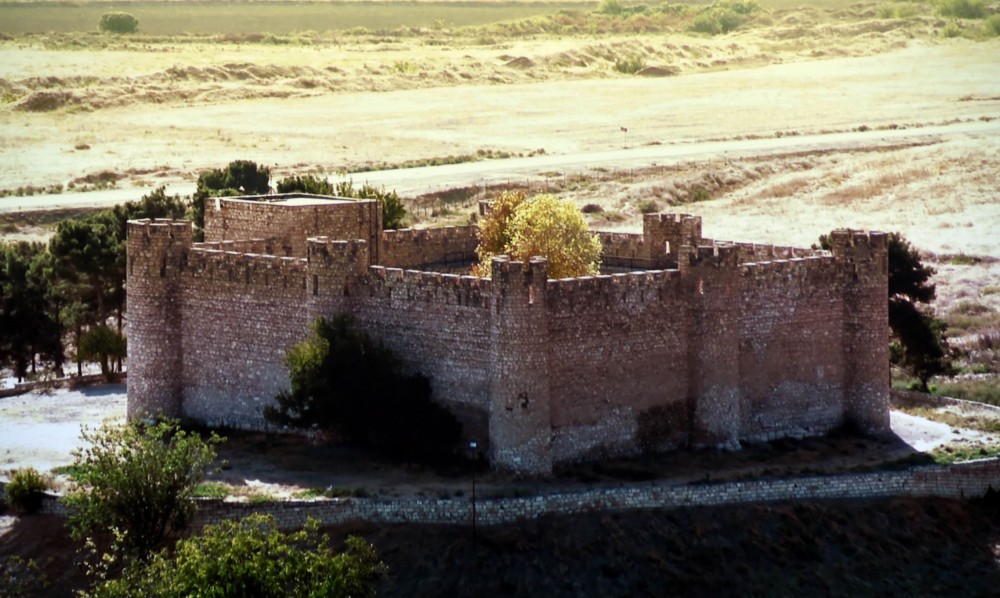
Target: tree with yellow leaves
column 545, row 226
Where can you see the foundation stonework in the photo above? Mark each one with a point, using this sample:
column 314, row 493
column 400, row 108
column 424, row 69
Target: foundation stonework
column 685, row 342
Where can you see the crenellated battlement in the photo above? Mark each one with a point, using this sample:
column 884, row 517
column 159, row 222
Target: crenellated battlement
column 845, row 237
column 430, row 235
column 428, row 287
column 429, row 247
column 513, row 273
column 246, row 268
column 765, row 252
column 717, row 256
column 607, row 291
column 159, row 227
column 693, row 341
column 263, row 246
column 346, row 257
column 817, row 270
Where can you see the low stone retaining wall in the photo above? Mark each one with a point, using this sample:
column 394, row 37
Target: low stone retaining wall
column 69, row 382
column 964, row 480
column 961, row 480
column 913, row 398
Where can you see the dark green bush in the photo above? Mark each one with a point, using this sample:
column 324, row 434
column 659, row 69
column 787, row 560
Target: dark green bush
column 991, row 27
column 723, row 17
column 962, row 9
column 251, row 557
column 138, row 479
column 648, row 206
column 25, row 490
column 393, row 211
column 118, row 22
column 344, row 382
column 305, row 184
column 21, row 578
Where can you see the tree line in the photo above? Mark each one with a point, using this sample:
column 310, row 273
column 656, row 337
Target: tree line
column 66, row 299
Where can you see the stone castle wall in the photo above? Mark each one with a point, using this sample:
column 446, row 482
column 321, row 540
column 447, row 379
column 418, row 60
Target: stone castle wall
column 430, row 248
column 709, row 350
column 288, row 220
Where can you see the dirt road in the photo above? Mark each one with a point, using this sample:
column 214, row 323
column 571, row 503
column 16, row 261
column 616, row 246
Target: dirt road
column 428, row 179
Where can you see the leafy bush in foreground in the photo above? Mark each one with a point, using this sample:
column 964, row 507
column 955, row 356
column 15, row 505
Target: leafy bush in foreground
column 138, row 479
column 252, row 558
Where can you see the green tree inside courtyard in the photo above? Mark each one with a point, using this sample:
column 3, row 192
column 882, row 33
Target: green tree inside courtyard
column 542, row 226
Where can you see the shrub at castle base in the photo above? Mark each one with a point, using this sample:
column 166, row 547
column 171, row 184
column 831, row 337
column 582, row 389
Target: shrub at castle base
column 682, row 341
column 344, row 383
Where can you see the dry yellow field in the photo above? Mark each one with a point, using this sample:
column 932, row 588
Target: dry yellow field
column 157, row 110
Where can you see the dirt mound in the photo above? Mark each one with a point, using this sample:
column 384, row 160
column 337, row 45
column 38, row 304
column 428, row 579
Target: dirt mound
column 46, row 540
column 658, row 71
column 521, row 62
column 45, row 101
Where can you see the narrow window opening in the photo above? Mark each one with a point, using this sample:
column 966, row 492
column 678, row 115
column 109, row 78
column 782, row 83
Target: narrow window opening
column 315, row 284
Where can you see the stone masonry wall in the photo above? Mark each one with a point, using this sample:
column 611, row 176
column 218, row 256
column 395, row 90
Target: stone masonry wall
column 437, row 324
column 288, row 220
column 791, row 383
column 712, row 351
column 617, row 363
column 242, row 312
column 430, row 248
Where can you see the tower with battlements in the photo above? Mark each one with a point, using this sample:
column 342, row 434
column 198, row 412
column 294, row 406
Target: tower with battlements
column 681, row 341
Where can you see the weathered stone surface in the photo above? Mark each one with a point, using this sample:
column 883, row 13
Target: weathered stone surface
column 689, row 342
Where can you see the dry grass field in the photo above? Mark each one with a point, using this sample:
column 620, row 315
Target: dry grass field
column 337, row 88
column 334, row 88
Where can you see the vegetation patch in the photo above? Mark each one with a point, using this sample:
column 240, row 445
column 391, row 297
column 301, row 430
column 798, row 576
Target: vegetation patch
column 25, row 489
column 343, row 382
column 984, row 390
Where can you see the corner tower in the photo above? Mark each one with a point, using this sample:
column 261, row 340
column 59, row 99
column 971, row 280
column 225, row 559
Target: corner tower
column 520, row 412
column 864, row 269
column 157, row 251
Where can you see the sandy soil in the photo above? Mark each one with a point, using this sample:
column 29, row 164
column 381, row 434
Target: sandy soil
column 40, row 429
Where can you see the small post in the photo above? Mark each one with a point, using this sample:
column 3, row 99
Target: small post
column 473, row 445
column 625, row 133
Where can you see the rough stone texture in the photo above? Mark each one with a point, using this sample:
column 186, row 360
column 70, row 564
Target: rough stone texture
column 430, row 248
column 961, row 481
column 287, row 220
column 710, row 343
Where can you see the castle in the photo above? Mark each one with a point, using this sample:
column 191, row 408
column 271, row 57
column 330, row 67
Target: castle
column 682, row 341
